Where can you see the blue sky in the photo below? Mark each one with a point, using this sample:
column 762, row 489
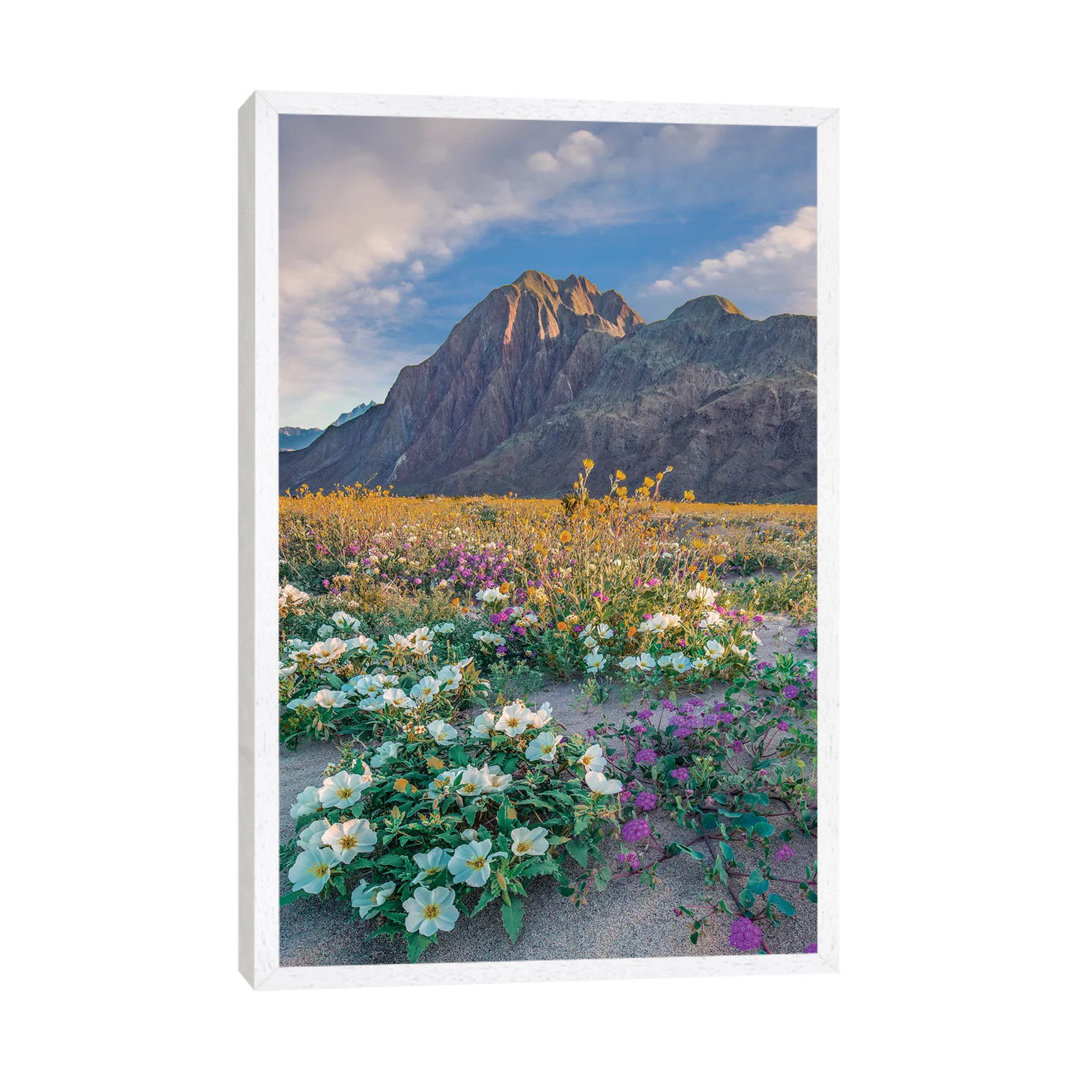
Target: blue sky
column 393, row 229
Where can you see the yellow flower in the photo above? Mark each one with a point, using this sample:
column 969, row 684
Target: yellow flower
column 564, row 537
column 435, row 764
column 688, row 496
column 619, row 474
column 504, row 588
column 401, row 784
column 588, row 463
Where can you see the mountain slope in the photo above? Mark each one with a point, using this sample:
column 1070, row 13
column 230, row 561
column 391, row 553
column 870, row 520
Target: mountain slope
column 543, row 373
column 296, row 438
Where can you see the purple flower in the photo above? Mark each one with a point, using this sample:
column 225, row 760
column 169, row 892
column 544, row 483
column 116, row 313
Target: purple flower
column 645, row 757
column 758, row 619
column 783, row 725
column 636, row 830
column 745, row 935
column 638, row 729
column 500, row 650
column 737, row 746
column 646, row 801
column 625, row 796
column 725, row 717
column 784, row 853
column 761, row 665
column 791, row 692
column 629, row 858
column 681, row 774
column 812, row 947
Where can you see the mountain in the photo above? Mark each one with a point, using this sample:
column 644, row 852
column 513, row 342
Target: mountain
column 352, row 414
column 544, row 372
column 296, row 438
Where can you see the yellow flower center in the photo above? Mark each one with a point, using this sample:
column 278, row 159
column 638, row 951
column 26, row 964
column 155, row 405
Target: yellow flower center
column 344, row 792
column 347, row 841
column 522, row 847
column 432, row 911
column 319, row 870
column 468, row 789
column 478, row 862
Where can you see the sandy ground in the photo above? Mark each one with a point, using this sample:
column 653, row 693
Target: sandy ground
column 629, row 919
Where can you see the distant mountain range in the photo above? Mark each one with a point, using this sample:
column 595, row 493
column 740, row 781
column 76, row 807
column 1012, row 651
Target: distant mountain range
column 296, row 438
column 544, row 372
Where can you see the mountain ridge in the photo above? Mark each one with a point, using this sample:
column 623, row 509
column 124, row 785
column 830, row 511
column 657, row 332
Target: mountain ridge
column 543, row 372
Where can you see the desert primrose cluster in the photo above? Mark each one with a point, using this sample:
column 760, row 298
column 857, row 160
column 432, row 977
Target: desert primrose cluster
column 440, row 822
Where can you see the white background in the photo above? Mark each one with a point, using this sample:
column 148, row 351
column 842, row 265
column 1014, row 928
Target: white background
column 958, row 397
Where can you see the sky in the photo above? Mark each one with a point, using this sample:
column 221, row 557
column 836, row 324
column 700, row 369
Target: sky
column 393, row 229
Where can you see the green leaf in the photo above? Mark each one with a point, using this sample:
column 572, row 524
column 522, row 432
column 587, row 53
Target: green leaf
column 579, row 852
column 727, row 851
column 484, row 901
column 536, row 868
column 470, row 812
column 603, row 878
column 415, row 944
column 333, row 680
column 513, row 914
column 289, row 897
column 506, row 822
column 781, row 904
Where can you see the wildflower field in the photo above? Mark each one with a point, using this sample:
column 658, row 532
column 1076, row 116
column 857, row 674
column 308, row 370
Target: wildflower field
column 527, row 729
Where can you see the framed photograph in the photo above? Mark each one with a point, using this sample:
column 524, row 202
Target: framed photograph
column 538, row 471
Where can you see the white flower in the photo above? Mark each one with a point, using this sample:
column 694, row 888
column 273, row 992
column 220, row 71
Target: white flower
column 677, row 662
column 515, row 718
column 490, row 596
column 542, row 748
column 444, row 628
column 488, row 638
column 449, row 677
column 700, row 664
column 326, row 652
column 363, row 644
column 343, row 789
column 442, row 732
column 311, row 835
column 702, row 592
column 528, row 842
column 657, row 624
column 430, row 863
column 483, row 725
column 594, row 662
column 430, row 910
column 472, row 781
column 307, row 802
column 470, row 864
column 604, row 632
column 367, row 897
column 601, row 784
column 398, row 699
column 427, row 689
column 344, row 621
column 311, row 871
column 329, row 699
column 496, row 779
column 712, row 617
column 371, row 704
column 384, row 753
column 593, row 759
column 347, row 839
column 589, row 642
column 285, row 670
column 542, row 716
column 713, row 649
column 290, row 595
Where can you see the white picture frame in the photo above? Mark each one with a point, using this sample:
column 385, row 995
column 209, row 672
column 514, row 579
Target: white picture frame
column 258, row 540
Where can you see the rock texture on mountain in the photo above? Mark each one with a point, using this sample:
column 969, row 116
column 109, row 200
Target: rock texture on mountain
column 544, row 372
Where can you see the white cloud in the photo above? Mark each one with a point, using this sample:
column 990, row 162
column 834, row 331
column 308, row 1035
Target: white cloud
column 370, row 207
column 772, row 274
